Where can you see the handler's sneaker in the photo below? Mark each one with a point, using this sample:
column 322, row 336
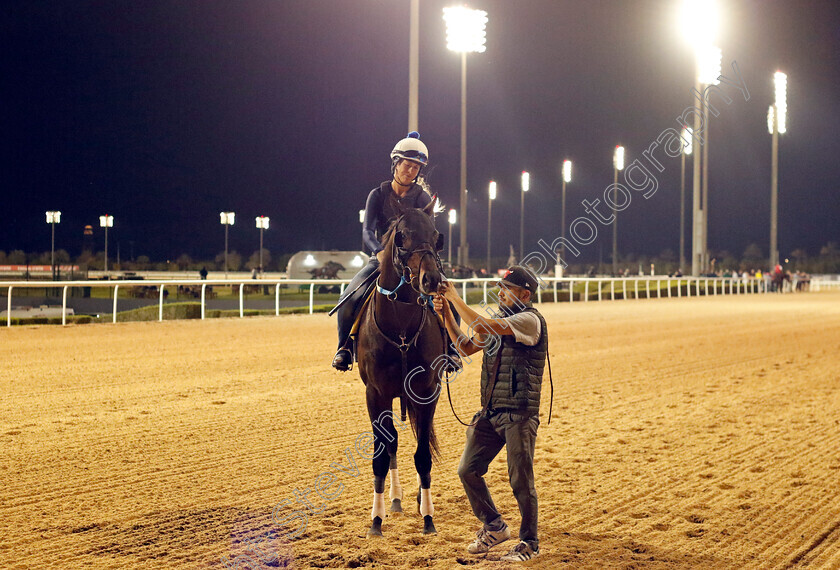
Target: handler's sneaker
column 486, row 539
column 520, row 553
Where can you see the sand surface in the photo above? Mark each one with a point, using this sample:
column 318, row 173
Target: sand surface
column 686, row 433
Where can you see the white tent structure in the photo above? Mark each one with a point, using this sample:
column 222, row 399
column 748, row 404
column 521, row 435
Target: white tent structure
column 325, row 264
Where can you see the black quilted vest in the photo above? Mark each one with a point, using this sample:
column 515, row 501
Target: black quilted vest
column 416, row 197
column 519, row 378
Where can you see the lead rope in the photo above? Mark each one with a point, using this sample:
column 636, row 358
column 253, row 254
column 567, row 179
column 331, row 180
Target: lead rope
column 550, row 381
column 489, row 397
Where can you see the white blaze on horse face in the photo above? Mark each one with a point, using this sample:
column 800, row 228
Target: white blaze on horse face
column 396, row 488
column 378, row 506
column 426, row 505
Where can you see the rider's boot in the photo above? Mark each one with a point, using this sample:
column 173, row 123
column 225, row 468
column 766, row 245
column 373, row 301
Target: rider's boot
column 343, row 358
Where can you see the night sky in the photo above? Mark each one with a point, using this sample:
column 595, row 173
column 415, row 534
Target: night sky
column 164, row 113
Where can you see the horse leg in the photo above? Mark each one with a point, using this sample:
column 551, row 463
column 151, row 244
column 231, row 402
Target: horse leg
column 423, row 464
column 396, row 489
column 384, row 440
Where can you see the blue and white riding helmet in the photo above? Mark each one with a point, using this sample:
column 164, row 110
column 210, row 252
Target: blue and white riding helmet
column 410, row 148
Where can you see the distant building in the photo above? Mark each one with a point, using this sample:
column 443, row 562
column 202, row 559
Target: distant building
column 87, row 240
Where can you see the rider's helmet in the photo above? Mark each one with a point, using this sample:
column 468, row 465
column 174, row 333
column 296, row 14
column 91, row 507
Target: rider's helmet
column 410, row 148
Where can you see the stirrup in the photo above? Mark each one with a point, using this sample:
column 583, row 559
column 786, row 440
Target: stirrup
column 343, row 360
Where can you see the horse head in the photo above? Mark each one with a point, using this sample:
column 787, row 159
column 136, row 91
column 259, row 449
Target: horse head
column 416, row 245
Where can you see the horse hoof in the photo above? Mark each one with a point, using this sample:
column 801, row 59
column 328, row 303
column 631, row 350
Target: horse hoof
column 396, row 506
column 428, row 525
column 375, row 528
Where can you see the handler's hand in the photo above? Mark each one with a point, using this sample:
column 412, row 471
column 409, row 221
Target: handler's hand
column 441, row 305
column 450, row 292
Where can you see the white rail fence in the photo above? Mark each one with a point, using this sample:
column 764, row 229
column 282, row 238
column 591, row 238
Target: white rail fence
column 586, row 289
column 825, row 285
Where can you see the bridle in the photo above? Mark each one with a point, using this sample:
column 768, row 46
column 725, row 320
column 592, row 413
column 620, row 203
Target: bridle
column 399, row 259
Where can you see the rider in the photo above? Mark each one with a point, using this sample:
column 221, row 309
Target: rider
column 406, row 190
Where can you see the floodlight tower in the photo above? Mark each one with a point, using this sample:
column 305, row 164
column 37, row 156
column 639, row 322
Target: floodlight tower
column 465, row 33
column 491, row 195
column 453, row 218
column 618, row 164
column 106, row 222
column 262, row 225
column 227, row 221
column 53, row 218
column 526, row 185
column 688, row 146
column 567, row 177
column 709, row 69
column 699, row 25
column 777, row 125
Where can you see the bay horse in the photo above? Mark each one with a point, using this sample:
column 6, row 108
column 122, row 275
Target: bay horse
column 399, row 349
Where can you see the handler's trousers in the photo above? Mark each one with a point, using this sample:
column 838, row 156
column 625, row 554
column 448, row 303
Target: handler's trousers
column 484, row 441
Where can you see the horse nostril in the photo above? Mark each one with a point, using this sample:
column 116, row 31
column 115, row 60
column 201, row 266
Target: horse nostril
column 429, row 284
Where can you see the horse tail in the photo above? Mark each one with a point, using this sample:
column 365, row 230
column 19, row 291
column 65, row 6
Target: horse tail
column 412, row 409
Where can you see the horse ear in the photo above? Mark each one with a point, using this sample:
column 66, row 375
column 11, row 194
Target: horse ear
column 439, row 243
column 398, row 239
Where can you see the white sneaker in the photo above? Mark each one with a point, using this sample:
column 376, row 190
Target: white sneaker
column 487, row 539
column 520, row 553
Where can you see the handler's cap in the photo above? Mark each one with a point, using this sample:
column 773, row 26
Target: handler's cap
column 519, row 276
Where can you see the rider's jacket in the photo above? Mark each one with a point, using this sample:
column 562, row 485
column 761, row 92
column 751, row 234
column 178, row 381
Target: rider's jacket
column 381, row 210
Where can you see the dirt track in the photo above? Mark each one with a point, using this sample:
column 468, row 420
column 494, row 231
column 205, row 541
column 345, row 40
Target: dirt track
column 686, row 433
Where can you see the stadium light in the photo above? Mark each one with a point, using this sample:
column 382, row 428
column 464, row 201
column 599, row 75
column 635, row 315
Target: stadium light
column 700, row 21
column 53, row 218
column 227, row 221
column 465, row 33
column 106, row 222
column 709, row 64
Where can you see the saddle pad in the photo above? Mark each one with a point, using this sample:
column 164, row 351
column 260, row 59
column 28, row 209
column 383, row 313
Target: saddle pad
column 355, row 329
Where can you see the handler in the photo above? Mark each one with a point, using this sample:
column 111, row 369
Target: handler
column 408, row 158
column 515, row 348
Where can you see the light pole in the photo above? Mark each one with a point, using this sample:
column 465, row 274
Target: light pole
column 227, row 221
column 699, row 24
column 106, row 222
column 465, row 32
column 262, row 225
column 526, row 185
column 687, row 136
column 453, row 215
column 709, row 70
column 491, row 195
column 567, row 177
column 618, row 164
column 362, row 221
column 777, row 125
column 53, row 218
column 413, row 65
